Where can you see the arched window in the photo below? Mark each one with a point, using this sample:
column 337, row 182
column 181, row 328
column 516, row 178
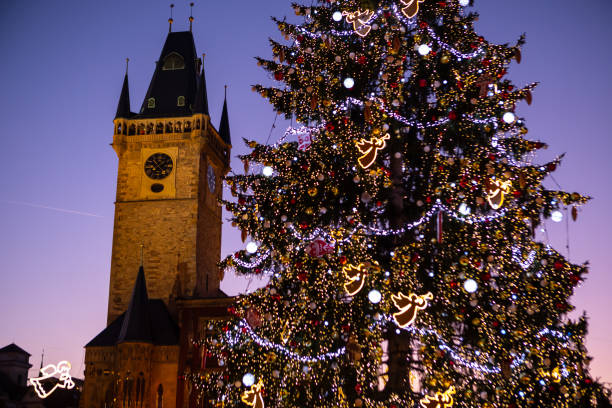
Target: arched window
column 173, row 61
column 169, row 127
column 159, row 128
column 180, row 101
column 132, row 132
column 160, row 396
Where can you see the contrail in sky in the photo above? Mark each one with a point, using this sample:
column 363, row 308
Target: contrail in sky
column 64, row 210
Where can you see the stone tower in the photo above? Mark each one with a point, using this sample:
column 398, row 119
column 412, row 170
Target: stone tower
column 164, row 279
column 171, row 161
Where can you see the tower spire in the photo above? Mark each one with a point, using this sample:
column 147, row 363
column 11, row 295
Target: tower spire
column 170, row 20
column 190, row 15
column 123, row 107
column 201, row 99
column 224, row 128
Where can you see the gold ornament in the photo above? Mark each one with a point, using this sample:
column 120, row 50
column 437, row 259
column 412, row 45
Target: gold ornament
column 440, row 400
column 253, row 396
column 409, row 306
column 369, row 149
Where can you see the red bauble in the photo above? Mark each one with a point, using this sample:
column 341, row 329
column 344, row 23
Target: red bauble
column 278, row 76
column 422, row 83
column 452, row 115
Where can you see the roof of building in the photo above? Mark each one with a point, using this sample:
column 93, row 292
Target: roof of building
column 201, row 98
column 145, row 321
column 224, row 129
column 123, row 107
column 13, row 348
column 176, row 75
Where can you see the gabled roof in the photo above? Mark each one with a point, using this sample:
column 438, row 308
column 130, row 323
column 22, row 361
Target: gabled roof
column 224, row 129
column 145, row 321
column 13, row 348
column 168, row 84
column 123, row 107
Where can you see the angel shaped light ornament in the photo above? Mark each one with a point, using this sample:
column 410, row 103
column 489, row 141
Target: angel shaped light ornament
column 369, row 149
column 41, row 386
column 410, row 7
column 408, row 307
column 360, row 21
column 253, row 396
column 440, row 400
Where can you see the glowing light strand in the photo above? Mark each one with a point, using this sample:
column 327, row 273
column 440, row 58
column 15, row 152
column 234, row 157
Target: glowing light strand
column 244, row 327
column 252, row 264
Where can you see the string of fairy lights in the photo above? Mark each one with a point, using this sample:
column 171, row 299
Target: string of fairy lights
column 242, row 329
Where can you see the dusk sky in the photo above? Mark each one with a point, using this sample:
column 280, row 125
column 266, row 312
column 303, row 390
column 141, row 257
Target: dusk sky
column 63, row 67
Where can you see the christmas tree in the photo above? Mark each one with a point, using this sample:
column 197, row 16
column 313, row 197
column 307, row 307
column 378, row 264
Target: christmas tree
column 398, row 231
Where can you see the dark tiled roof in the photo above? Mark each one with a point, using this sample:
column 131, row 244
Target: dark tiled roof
column 13, row 348
column 168, row 84
column 136, row 322
column 145, row 321
column 201, row 99
column 224, row 129
column 123, row 107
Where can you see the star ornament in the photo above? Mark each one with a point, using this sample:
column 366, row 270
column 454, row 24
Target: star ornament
column 408, row 307
column 440, row 400
column 253, row 396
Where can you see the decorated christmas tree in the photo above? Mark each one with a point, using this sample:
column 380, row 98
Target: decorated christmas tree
column 397, row 227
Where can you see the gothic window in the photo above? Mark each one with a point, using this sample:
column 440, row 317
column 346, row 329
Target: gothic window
column 151, row 103
column 169, row 127
column 132, row 132
column 197, row 124
column 149, row 128
column 180, row 101
column 160, row 396
column 177, row 127
column 159, row 128
column 141, row 129
column 173, row 61
column 187, row 126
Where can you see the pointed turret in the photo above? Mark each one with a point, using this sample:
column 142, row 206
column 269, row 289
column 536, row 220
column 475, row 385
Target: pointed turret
column 123, row 107
column 224, row 128
column 136, row 325
column 174, row 84
column 201, row 99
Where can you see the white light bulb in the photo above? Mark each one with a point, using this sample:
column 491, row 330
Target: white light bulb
column 464, row 209
column 509, row 117
column 424, row 49
column 251, row 247
column 337, row 16
column 470, row 286
column 349, row 83
column 374, row 296
column 556, row 216
column 267, row 171
column 248, row 379
column 464, row 3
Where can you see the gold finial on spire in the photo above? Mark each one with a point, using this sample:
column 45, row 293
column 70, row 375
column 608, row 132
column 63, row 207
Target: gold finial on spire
column 190, row 15
column 127, row 62
column 170, row 20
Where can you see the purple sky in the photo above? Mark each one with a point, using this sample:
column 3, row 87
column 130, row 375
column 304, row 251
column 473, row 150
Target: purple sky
column 61, row 78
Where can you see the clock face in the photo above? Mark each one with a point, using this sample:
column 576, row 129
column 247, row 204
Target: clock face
column 212, row 179
column 158, row 166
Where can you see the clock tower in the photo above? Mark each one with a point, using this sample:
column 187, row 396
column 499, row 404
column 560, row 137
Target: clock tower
column 171, row 163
